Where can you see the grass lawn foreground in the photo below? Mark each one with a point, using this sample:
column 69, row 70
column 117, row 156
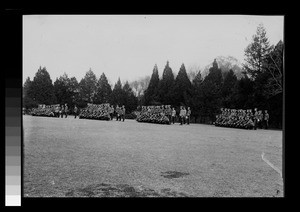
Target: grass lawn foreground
column 67, row 157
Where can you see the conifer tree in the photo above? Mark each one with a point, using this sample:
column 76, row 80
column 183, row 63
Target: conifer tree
column 151, row 94
column 42, row 87
column 165, row 87
column 88, row 87
column 182, row 88
column 104, row 90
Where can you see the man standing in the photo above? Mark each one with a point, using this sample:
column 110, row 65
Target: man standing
column 266, row 119
column 182, row 115
column 62, row 111
column 123, row 113
column 188, row 115
column 255, row 118
column 75, row 111
column 173, row 115
column 66, row 110
column 112, row 110
column 117, row 112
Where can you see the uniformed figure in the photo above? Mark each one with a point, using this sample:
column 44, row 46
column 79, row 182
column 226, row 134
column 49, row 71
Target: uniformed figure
column 188, row 115
column 66, row 110
column 62, row 111
column 123, row 113
column 118, row 113
column 182, row 115
column 173, row 115
column 57, row 111
column 266, row 119
column 75, row 111
column 255, row 118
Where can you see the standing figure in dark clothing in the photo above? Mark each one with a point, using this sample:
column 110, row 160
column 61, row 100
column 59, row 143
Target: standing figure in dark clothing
column 75, row 111
column 66, row 110
column 255, row 118
column 266, row 119
column 173, row 115
column 62, row 111
column 188, row 115
column 123, row 113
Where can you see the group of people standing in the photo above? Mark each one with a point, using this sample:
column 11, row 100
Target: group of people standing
column 184, row 115
column 119, row 112
column 246, row 119
column 61, row 110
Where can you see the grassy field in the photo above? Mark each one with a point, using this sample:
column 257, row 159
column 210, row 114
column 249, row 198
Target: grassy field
column 67, row 157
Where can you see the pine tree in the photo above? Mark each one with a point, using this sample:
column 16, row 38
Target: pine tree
column 42, row 87
column 103, row 90
column 66, row 90
column 197, row 96
column 182, row 88
column 256, row 52
column 166, row 85
column 88, row 87
column 130, row 100
column 28, row 93
column 211, row 88
column 228, row 89
column 151, row 94
column 117, row 96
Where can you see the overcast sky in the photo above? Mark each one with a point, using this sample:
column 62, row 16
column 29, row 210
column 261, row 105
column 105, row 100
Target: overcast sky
column 128, row 46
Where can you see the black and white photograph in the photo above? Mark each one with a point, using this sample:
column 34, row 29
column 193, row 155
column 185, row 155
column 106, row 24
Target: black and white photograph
column 153, row 106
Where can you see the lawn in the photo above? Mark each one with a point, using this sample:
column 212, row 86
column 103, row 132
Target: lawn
column 66, row 157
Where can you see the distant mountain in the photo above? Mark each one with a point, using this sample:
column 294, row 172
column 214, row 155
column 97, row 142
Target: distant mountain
column 225, row 64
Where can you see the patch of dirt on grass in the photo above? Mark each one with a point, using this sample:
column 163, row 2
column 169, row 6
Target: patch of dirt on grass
column 121, row 190
column 173, row 174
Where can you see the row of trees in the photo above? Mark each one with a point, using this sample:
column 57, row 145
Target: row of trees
column 260, row 86
column 67, row 90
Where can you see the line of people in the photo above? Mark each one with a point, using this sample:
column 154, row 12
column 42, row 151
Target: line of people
column 241, row 118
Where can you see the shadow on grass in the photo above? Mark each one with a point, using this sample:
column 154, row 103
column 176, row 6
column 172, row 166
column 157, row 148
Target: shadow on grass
column 121, row 190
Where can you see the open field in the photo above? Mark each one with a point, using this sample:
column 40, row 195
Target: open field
column 65, row 157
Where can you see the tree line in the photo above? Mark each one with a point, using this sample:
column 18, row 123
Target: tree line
column 260, row 86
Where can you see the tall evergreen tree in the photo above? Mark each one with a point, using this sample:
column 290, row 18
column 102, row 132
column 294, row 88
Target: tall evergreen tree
column 165, row 87
column 151, row 94
column 182, row 88
column 42, row 87
column 227, row 89
column 197, row 97
column 243, row 93
column 130, row 100
column 66, row 90
column 117, row 96
column 103, row 90
column 256, row 52
column 88, row 87
column 28, row 95
column 211, row 88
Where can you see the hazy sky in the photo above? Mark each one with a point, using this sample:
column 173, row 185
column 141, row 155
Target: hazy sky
column 128, row 46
